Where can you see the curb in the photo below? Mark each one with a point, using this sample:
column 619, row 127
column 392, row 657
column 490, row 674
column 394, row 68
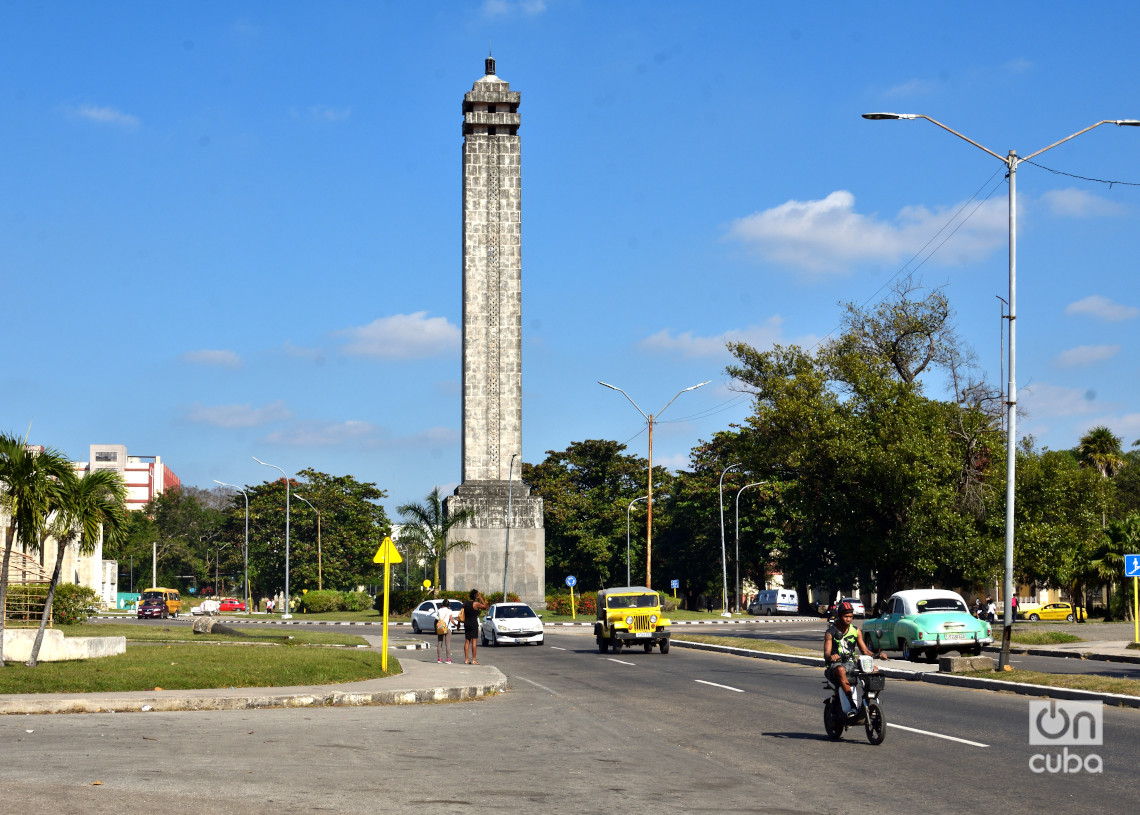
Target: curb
column 935, row 678
column 1064, row 654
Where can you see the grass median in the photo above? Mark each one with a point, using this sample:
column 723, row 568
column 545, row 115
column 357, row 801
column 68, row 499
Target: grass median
column 174, row 658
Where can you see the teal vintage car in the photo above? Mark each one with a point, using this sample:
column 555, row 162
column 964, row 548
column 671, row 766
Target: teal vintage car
column 926, row 623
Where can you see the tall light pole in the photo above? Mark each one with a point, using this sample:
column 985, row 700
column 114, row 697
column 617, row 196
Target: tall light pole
column 1011, row 161
column 723, row 554
column 507, row 548
column 627, row 509
column 286, row 615
column 306, row 500
column 650, row 418
column 742, row 489
column 245, row 551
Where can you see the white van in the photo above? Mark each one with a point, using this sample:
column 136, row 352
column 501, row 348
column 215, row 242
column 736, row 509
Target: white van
column 775, row 601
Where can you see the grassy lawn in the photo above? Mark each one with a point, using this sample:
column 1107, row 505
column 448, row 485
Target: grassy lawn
column 161, row 632
column 1091, row 682
column 753, row 645
column 1038, row 637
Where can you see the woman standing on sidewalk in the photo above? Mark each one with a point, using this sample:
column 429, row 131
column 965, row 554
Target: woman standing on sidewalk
column 470, row 616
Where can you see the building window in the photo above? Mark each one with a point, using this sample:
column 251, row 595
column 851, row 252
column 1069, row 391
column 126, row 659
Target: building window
column 490, row 108
column 490, row 131
column 106, row 456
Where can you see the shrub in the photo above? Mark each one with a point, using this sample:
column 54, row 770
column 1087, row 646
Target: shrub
column 72, row 603
column 317, row 602
column 357, row 601
column 585, row 606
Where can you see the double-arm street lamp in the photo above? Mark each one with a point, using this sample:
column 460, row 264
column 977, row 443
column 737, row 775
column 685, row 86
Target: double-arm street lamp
column 1011, row 161
column 286, row 615
column 650, row 418
column 314, row 509
column 742, row 489
column 245, row 551
column 627, row 509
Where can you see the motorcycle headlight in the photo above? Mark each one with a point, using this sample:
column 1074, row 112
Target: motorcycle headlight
column 653, row 619
column 629, row 620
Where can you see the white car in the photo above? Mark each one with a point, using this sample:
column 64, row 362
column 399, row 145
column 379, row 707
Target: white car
column 511, row 622
column 424, row 615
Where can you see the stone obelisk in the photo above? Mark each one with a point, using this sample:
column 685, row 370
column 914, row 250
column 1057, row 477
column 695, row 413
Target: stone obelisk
column 492, row 358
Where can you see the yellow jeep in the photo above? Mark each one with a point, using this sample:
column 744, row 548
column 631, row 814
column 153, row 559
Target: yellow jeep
column 630, row 615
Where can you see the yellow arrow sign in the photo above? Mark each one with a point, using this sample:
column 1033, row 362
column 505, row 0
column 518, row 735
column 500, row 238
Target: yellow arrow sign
column 387, row 553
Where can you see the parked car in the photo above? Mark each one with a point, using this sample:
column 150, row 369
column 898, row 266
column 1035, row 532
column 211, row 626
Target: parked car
column 775, row 601
column 927, row 622
column 424, row 615
column 1052, row 611
column 231, row 604
column 511, row 622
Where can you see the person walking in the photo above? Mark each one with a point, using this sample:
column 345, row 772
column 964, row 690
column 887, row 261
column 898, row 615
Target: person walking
column 991, row 610
column 1013, row 607
column 470, row 617
column 443, row 632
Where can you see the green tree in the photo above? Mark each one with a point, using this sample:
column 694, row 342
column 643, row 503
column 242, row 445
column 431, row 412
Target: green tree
column 27, row 480
column 427, row 529
column 1100, row 449
column 586, row 490
column 1121, row 538
column 85, row 508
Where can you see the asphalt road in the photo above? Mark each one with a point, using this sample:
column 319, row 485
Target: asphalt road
column 639, row 733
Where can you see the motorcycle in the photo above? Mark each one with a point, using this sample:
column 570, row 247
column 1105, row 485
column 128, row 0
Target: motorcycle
column 866, row 685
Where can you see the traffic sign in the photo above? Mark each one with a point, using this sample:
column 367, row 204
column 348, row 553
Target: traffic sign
column 571, row 581
column 1132, row 565
column 387, row 553
column 674, row 584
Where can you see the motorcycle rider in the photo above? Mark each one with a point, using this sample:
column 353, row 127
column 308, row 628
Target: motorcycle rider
column 840, row 645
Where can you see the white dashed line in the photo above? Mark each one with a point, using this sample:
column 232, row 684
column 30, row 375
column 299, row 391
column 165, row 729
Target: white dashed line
column 937, row 735
column 715, row 685
column 620, row 661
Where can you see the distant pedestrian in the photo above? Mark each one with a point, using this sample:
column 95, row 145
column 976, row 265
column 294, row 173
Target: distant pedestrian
column 991, row 610
column 470, row 618
column 269, row 606
column 1013, row 607
column 443, row 632
column 978, row 607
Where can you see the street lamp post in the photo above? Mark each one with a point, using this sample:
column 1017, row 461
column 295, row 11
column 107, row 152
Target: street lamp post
column 627, row 509
column 306, row 500
column 286, row 615
column 723, row 554
column 1011, row 161
column 650, row 418
column 742, row 489
column 245, row 551
column 507, row 547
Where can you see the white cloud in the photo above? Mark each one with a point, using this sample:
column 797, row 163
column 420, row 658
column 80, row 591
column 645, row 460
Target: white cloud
column 402, row 336
column 1042, row 400
column 1086, row 354
column 687, row 344
column 355, row 433
column 910, row 88
column 1074, row 203
column 216, row 358
column 322, row 113
column 235, row 416
column 105, row 115
column 499, row 8
column 828, row 235
column 1102, row 308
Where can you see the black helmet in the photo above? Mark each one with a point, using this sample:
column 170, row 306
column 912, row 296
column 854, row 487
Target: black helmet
column 845, row 608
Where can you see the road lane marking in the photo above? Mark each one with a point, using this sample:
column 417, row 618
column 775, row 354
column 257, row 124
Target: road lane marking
column 936, row 735
column 715, row 685
column 556, row 648
column 620, row 661
column 531, row 681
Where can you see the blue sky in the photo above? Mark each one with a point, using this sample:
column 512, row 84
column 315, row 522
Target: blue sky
column 233, row 229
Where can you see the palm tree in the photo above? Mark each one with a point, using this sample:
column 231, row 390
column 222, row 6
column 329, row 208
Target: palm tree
column 27, row 479
column 428, row 529
column 85, row 508
column 1100, row 448
column 1121, row 538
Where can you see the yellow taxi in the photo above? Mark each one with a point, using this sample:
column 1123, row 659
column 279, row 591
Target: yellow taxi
column 1052, row 611
column 631, row 616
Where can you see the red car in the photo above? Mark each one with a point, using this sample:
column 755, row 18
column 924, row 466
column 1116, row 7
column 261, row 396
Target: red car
column 231, row 604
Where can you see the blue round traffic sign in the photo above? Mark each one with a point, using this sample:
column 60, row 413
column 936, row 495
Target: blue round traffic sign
column 571, row 581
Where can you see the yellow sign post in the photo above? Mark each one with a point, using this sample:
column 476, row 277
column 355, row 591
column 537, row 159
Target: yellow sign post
column 386, row 554
column 573, row 614
column 1136, row 609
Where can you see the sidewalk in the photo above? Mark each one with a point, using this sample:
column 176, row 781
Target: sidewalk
column 421, row 681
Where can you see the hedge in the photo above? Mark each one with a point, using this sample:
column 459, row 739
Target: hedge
column 71, row 603
column 317, row 602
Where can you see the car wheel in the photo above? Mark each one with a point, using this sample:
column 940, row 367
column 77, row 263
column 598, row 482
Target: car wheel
column 483, row 639
column 603, row 645
column 1034, row 617
column 664, row 646
column 494, row 640
column 973, row 652
column 931, row 656
column 415, row 626
column 832, row 723
column 1069, row 618
column 908, row 653
column 164, row 615
column 770, row 612
column 875, row 723
column 648, row 647
column 616, row 645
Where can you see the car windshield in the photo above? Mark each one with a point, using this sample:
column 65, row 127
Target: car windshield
column 940, row 604
column 633, row 601
column 152, row 595
column 514, row 612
